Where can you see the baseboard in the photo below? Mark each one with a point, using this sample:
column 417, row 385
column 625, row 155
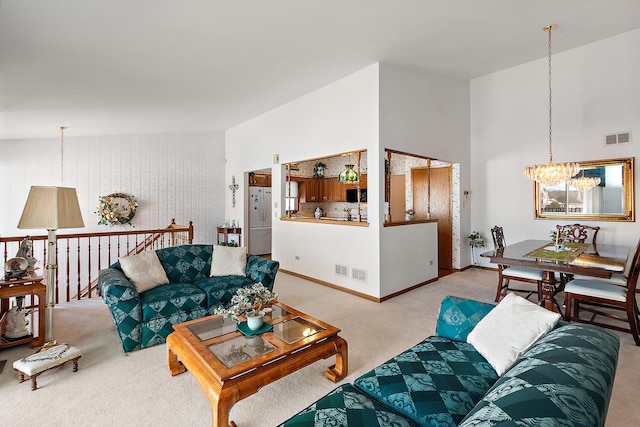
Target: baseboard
column 356, row 293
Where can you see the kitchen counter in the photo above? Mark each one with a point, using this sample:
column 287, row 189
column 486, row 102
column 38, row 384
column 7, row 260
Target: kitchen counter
column 327, row 220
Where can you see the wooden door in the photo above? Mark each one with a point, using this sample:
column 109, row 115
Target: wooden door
column 440, row 206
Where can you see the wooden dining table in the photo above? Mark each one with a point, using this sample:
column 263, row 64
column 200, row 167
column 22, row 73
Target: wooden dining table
column 587, row 259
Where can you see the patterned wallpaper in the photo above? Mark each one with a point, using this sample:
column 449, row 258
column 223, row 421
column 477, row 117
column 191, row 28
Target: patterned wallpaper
column 177, row 176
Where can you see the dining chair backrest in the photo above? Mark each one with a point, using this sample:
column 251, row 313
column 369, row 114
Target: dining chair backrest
column 498, row 237
column 579, row 233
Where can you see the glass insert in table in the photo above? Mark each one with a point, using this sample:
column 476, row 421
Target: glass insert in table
column 212, row 327
column 240, row 349
column 295, row 329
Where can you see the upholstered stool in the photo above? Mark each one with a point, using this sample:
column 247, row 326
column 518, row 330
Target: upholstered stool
column 53, row 357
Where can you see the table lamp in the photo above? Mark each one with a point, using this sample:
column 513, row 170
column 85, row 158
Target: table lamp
column 51, row 208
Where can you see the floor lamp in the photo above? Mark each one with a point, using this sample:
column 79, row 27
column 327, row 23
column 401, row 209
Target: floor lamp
column 51, row 208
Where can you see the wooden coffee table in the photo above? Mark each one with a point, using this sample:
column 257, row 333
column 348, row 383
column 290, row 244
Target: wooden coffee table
column 230, row 366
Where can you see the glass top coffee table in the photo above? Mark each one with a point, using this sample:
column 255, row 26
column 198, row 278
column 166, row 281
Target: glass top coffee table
column 230, row 366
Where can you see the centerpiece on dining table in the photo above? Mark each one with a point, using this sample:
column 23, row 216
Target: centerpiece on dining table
column 248, row 303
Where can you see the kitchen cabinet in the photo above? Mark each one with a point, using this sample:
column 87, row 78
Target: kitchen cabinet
column 260, row 180
column 326, row 189
column 310, row 190
column 339, row 190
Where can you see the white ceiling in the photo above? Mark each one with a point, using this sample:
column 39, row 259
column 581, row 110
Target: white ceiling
column 110, row 67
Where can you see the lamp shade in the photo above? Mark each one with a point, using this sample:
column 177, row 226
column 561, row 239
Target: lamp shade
column 51, row 208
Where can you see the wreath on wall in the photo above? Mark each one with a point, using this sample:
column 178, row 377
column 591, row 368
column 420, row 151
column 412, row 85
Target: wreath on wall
column 116, row 209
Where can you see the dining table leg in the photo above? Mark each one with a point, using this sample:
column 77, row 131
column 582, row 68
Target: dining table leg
column 550, row 287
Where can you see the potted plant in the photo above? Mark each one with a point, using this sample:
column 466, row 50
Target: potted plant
column 476, row 240
column 248, row 302
column 319, row 169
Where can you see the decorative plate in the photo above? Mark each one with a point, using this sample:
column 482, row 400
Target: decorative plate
column 242, row 327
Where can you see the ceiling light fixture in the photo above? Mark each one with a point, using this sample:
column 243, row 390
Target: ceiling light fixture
column 551, row 173
column 348, row 175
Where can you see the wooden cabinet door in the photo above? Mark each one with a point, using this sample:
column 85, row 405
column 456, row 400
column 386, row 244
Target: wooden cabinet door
column 311, row 190
column 339, row 191
column 260, row 180
column 326, row 189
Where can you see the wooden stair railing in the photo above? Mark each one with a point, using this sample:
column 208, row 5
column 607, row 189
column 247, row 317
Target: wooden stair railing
column 81, row 256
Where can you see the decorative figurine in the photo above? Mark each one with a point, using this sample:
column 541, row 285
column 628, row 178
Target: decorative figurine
column 26, row 251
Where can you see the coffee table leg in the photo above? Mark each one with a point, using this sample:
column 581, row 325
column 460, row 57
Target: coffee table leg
column 175, row 366
column 221, row 402
column 338, row 371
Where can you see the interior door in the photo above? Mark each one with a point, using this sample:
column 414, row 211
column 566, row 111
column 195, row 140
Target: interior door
column 439, row 204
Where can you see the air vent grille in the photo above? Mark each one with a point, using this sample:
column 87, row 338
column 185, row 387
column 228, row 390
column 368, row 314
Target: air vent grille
column 359, row 275
column 342, row 270
column 617, row 138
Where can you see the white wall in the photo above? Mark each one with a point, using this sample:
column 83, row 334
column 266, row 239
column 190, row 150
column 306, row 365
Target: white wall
column 428, row 114
column 596, row 91
column 337, row 118
column 172, row 176
column 415, row 112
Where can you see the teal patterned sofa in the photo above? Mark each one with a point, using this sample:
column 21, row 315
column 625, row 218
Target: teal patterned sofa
column 145, row 319
column 564, row 379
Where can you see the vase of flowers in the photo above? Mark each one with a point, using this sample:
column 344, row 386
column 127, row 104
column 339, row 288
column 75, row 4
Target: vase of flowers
column 248, row 303
column 409, row 214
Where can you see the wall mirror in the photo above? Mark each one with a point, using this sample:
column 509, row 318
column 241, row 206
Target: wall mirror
column 603, row 190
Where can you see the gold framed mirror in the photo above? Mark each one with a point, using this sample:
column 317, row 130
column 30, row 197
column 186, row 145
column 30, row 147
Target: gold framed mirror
column 603, row 190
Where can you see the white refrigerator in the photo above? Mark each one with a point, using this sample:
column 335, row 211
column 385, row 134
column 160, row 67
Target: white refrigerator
column 259, row 220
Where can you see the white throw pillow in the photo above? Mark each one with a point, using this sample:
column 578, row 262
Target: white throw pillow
column 228, row 261
column 510, row 329
column 144, row 270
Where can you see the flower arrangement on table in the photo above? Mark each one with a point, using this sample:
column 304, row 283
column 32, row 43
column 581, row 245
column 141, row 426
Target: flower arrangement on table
column 247, row 300
column 554, row 235
column 112, row 212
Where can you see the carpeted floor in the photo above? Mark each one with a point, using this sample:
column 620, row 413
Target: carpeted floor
column 113, row 388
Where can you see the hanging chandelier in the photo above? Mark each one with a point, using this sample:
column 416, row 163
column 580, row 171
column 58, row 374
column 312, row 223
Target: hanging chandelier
column 551, row 173
column 584, row 183
column 348, row 175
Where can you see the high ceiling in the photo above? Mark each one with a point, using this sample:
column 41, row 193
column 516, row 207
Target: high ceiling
column 110, row 67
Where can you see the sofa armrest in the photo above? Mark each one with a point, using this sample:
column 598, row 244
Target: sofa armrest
column 125, row 305
column 262, row 270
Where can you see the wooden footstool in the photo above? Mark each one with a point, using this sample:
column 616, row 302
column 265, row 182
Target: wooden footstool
column 53, row 357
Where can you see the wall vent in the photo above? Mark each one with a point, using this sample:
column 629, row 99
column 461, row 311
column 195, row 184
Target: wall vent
column 342, row 270
column 617, row 138
column 359, row 275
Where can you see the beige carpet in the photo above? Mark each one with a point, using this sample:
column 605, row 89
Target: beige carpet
column 114, row 389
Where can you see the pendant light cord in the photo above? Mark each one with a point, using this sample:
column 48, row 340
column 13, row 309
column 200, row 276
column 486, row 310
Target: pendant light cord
column 62, row 128
column 548, row 29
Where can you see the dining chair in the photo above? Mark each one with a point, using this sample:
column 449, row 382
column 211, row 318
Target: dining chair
column 507, row 273
column 579, row 233
column 601, row 299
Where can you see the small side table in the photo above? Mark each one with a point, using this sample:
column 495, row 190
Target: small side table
column 22, row 287
column 224, row 232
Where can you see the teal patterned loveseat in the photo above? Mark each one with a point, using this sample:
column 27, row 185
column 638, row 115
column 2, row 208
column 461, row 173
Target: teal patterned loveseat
column 145, row 319
column 564, row 379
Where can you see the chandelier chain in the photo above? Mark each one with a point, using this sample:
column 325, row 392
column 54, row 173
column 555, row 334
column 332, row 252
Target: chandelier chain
column 550, row 98
column 62, row 128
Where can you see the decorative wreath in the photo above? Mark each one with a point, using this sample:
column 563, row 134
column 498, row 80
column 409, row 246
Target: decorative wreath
column 116, row 209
